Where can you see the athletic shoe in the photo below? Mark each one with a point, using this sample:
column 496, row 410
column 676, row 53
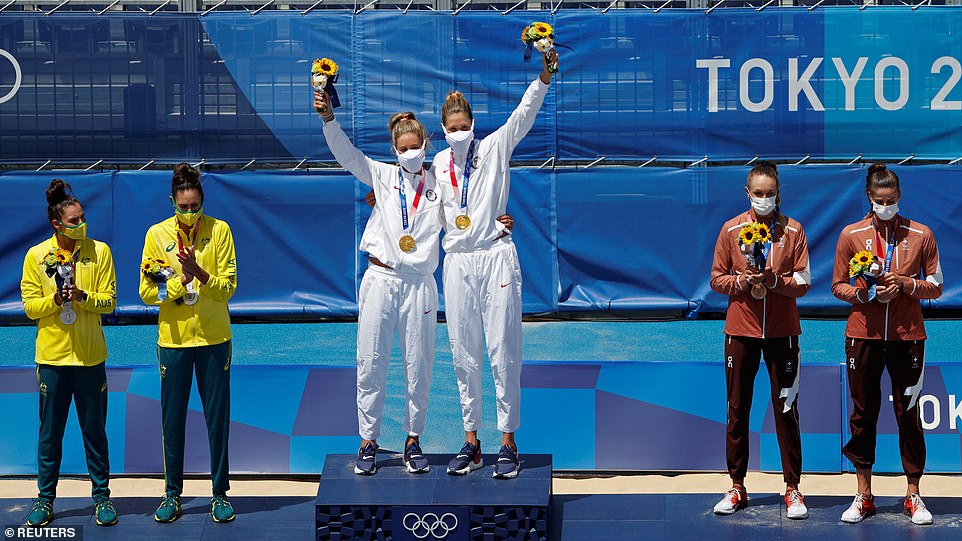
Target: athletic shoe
column 41, row 514
column 105, row 512
column 863, row 506
column 415, row 461
column 366, row 464
column 169, row 509
column 468, row 459
column 733, row 500
column 221, row 509
column 508, row 465
column 795, row 505
column 915, row 508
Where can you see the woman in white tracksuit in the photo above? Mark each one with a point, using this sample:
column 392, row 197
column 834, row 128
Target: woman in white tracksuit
column 398, row 291
column 482, row 275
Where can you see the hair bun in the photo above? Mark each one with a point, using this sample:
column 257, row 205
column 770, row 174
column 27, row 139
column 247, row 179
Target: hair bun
column 768, row 163
column 184, row 173
column 876, row 168
column 399, row 117
column 57, row 191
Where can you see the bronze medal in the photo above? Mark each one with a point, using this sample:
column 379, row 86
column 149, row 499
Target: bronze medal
column 462, row 222
column 407, row 244
column 759, row 291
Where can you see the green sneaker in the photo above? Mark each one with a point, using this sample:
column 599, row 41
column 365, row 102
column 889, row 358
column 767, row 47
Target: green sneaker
column 169, row 509
column 104, row 509
column 221, row 509
column 41, row 514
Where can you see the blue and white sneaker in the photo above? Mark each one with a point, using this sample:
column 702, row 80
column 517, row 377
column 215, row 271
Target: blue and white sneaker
column 508, row 464
column 468, row 459
column 414, row 460
column 366, row 465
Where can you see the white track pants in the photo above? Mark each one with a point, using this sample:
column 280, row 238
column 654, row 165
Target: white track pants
column 388, row 301
column 482, row 298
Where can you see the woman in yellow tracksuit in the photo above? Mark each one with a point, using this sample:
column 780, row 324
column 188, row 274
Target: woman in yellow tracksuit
column 68, row 281
column 193, row 334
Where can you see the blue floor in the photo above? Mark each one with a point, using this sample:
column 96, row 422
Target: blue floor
column 573, row 518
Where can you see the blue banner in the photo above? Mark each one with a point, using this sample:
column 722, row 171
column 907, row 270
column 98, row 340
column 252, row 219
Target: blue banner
column 678, row 84
column 625, row 240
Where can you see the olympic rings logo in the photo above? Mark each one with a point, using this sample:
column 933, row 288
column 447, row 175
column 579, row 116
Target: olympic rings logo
column 430, row 524
column 17, row 80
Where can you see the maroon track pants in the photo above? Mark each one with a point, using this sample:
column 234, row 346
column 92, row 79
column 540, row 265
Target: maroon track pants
column 865, row 360
column 742, row 359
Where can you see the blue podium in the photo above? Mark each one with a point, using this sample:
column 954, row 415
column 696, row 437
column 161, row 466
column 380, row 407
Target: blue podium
column 400, row 506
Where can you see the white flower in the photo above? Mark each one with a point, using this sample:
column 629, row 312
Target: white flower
column 319, row 81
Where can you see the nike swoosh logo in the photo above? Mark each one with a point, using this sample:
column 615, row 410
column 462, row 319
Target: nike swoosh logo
column 428, row 312
column 506, row 285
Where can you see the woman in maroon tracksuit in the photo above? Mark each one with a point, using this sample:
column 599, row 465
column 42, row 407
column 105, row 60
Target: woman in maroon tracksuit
column 762, row 319
column 885, row 331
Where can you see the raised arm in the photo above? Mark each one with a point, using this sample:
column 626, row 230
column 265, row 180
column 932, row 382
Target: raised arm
column 344, row 151
column 523, row 116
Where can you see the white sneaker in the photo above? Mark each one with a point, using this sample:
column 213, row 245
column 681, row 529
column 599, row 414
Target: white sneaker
column 732, row 501
column 795, row 505
column 915, row 508
column 862, row 506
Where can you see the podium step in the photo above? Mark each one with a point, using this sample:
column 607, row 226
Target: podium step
column 399, row 506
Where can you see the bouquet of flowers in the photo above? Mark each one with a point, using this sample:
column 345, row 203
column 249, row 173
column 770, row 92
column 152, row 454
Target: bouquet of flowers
column 59, row 263
column 753, row 239
column 159, row 271
column 865, row 266
column 323, row 77
column 540, row 36
column 56, row 258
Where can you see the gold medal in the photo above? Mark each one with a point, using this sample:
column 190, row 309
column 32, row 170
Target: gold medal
column 462, row 222
column 407, row 244
column 759, row 291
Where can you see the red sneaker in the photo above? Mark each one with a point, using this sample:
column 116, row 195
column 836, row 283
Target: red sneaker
column 863, row 506
column 733, row 500
column 915, row 508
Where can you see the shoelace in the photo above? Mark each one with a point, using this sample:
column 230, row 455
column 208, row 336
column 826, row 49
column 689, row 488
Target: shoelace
column 859, row 499
column 916, row 501
column 104, row 504
column 734, row 495
column 42, row 505
column 169, row 500
column 220, row 501
column 795, row 497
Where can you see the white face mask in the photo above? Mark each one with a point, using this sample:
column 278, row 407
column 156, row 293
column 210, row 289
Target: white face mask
column 460, row 139
column 411, row 159
column 885, row 213
column 763, row 206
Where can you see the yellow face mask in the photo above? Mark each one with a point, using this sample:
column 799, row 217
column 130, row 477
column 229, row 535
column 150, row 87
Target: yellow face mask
column 75, row 232
column 188, row 218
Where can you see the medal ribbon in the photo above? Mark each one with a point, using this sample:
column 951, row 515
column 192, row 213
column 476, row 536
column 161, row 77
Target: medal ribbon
column 467, row 174
column 404, row 199
column 890, row 249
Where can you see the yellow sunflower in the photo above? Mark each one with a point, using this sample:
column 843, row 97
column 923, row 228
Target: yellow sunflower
column 864, row 257
column 763, row 232
column 543, row 29
column 324, row 66
column 63, row 256
column 50, row 259
column 748, row 234
column 145, row 266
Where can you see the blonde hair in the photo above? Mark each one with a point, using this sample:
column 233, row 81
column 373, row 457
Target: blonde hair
column 406, row 122
column 453, row 104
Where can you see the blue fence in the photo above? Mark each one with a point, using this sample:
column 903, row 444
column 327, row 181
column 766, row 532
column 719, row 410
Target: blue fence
column 621, row 239
column 677, row 84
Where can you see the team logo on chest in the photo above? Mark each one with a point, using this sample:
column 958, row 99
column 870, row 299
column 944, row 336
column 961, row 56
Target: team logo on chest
column 868, row 245
column 430, row 195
